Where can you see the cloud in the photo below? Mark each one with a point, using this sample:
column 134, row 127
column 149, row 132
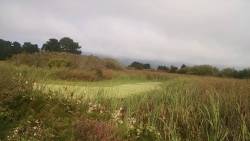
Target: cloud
column 196, row 32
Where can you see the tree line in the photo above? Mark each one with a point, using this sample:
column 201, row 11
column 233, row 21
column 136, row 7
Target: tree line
column 65, row 44
column 203, row 70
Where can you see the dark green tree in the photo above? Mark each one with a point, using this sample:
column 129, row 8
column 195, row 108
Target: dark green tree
column 52, row 45
column 16, row 48
column 183, row 69
column 183, row 66
column 163, row 68
column 5, row 49
column 228, row 72
column 173, row 69
column 30, row 48
column 146, row 66
column 68, row 45
column 244, row 74
column 137, row 65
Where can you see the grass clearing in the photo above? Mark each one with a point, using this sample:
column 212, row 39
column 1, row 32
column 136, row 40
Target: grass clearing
column 90, row 90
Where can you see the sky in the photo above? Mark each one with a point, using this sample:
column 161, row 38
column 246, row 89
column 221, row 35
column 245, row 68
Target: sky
column 215, row 32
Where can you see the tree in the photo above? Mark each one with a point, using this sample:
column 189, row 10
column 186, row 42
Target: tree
column 137, row 65
column 16, row 48
column 146, row 66
column 163, row 68
column 229, row 72
column 30, row 48
column 5, row 49
column 183, row 69
column 183, row 66
column 52, row 45
column 68, row 45
column 244, row 74
column 173, row 69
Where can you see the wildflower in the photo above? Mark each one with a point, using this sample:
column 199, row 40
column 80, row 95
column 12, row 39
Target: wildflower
column 132, row 120
column 118, row 115
column 101, row 112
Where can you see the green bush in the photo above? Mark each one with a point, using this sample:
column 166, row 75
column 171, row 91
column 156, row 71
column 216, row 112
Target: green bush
column 228, row 72
column 203, row 70
column 12, row 87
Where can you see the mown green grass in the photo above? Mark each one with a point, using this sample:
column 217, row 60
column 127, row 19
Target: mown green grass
column 106, row 90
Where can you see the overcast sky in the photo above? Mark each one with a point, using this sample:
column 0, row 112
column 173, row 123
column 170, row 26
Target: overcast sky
column 190, row 31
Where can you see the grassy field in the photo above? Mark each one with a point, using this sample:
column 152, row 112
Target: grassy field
column 133, row 105
column 89, row 90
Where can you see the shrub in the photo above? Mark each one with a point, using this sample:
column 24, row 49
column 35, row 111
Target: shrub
column 163, row 68
column 112, row 64
column 228, row 72
column 203, row 70
column 46, row 59
column 12, row 86
column 88, row 75
column 139, row 66
column 245, row 73
column 173, row 69
column 59, row 63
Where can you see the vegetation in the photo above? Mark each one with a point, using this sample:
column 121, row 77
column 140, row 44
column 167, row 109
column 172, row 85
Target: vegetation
column 66, row 44
column 54, row 95
column 140, row 66
column 163, row 68
column 181, row 108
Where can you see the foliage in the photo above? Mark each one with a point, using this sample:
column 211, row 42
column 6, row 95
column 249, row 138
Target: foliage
column 140, row 66
column 112, row 64
column 30, row 48
column 65, row 44
column 173, row 69
column 183, row 108
column 59, row 63
column 52, row 45
column 163, row 68
column 68, row 45
column 5, row 49
column 228, row 72
column 203, row 70
column 245, row 73
column 16, row 48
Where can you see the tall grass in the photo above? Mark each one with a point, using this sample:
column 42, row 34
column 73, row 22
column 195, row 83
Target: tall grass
column 189, row 109
column 184, row 108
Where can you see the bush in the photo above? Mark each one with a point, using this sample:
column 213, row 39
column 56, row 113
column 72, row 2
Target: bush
column 245, row 73
column 12, row 87
column 112, row 64
column 173, row 69
column 228, row 72
column 139, row 66
column 88, row 75
column 203, row 70
column 58, row 60
column 163, row 68
column 59, row 63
